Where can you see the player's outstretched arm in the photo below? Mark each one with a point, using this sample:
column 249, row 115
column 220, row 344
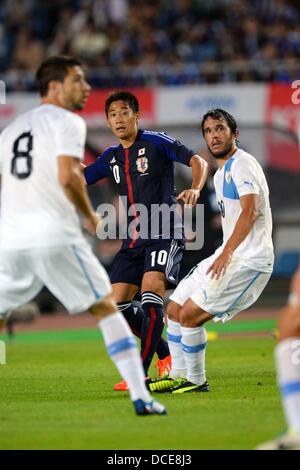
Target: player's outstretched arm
column 249, row 213
column 70, row 177
column 199, row 175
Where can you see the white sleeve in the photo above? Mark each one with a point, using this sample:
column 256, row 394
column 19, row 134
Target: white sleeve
column 71, row 135
column 245, row 176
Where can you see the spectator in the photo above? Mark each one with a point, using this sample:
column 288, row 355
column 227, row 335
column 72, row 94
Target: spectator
column 157, row 42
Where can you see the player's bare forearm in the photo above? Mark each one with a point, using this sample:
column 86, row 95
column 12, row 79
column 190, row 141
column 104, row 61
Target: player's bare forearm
column 199, row 171
column 199, row 175
column 77, row 194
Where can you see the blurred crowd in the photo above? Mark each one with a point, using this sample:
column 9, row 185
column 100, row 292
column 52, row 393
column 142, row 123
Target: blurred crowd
column 156, row 42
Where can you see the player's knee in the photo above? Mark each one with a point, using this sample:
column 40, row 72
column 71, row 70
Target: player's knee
column 106, row 307
column 185, row 318
column 191, row 316
column 173, row 310
column 289, row 323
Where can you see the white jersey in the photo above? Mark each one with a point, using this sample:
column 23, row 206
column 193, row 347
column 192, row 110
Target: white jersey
column 34, row 208
column 242, row 175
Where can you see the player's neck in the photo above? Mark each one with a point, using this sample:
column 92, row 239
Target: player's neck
column 221, row 161
column 128, row 141
column 54, row 101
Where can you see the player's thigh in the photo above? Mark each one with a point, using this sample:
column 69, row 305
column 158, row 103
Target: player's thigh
column 74, row 276
column 233, row 292
column 18, row 283
column 192, row 281
column 122, row 291
column 164, row 256
column 154, row 281
column 128, row 267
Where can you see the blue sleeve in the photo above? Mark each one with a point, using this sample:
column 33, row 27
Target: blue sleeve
column 177, row 152
column 98, row 170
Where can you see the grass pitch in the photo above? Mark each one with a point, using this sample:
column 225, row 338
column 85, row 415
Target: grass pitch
column 56, row 393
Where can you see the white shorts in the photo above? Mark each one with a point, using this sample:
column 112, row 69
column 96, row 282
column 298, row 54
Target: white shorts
column 237, row 290
column 72, row 273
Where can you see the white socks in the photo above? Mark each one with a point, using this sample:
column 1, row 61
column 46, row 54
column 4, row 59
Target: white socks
column 187, row 348
column 122, row 348
column 287, row 356
column 193, row 343
column 174, row 341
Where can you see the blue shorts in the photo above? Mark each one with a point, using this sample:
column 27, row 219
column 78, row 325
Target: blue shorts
column 154, row 255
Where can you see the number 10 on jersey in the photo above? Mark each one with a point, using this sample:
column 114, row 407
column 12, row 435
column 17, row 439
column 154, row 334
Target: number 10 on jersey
column 159, row 257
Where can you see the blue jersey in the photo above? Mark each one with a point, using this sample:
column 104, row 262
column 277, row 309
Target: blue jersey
column 144, row 173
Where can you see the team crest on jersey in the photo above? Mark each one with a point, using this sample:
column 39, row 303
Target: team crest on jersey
column 228, row 176
column 142, row 164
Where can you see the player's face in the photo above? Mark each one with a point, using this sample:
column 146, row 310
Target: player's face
column 219, row 138
column 122, row 120
column 74, row 90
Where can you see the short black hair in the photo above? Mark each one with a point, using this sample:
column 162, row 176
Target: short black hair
column 55, row 68
column 220, row 113
column 126, row 96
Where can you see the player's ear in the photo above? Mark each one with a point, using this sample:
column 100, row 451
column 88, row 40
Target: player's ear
column 54, row 87
column 137, row 116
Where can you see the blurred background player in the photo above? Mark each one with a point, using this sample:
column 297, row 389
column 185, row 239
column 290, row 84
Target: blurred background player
column 41, row 239
column 235, row 275
column 142, row 165
column 287, row 358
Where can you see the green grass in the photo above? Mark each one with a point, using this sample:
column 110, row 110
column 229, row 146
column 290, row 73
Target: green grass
column 56, row 393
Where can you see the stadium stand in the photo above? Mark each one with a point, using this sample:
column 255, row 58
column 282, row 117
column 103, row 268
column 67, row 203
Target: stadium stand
column 158, row 42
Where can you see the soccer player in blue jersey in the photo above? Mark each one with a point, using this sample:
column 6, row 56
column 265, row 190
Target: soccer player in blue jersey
column 142, row 165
